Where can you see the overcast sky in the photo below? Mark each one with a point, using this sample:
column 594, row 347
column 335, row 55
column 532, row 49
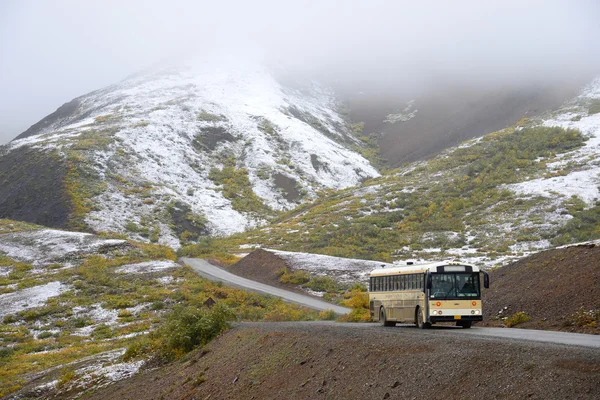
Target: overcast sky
column 54, row 50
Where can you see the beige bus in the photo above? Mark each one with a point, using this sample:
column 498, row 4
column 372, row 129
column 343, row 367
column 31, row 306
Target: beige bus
column 427, row 293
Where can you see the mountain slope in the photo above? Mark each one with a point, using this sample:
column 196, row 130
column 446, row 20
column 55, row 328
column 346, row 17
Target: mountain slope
column 176, row 153
column 526, row 188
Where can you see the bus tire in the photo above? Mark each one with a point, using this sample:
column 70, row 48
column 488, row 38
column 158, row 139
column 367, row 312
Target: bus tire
column 419, row 321
column 464, row 324
column 383, row 319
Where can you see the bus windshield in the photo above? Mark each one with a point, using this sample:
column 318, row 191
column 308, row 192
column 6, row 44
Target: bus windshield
column 455, row 286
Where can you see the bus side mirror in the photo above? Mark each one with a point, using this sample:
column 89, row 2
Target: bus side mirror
column 428, row 281
column 486, row 280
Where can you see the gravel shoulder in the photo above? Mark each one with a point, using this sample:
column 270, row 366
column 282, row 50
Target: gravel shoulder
column 350, row 361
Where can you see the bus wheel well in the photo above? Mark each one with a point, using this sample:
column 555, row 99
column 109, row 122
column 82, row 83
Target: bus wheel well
column 419, row 320
column 383, row 319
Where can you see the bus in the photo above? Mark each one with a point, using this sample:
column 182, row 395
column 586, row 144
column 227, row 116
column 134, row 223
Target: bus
column 426, row 294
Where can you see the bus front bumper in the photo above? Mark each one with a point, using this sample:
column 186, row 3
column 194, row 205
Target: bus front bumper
column 452, row 318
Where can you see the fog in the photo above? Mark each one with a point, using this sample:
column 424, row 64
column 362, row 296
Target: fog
column 53, row 51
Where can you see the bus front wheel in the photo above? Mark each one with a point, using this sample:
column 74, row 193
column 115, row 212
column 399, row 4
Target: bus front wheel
column 419, row 321
column 383, row 319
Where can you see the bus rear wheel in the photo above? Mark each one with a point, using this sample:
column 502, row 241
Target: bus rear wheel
column 420, row 322
column 383, row 319
column 464, row 324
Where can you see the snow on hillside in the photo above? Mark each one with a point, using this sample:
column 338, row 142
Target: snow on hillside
column 170, row 127
column 58, row 284
column 584, row 180
column 29, row 298
column 346, row 270
column 49, row 245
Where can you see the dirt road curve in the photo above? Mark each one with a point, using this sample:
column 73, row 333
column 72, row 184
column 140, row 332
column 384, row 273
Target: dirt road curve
column 209, row 271
column 212, row 272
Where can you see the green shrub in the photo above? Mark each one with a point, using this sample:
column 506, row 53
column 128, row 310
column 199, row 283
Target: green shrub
column 356, row 315
column 267, row 127
column 327, row 315
column 5, row 261
column 6, row 352
column 141, row 347
column 584, row 318
column 208, row 117
column 79, row 322
column 321, row 284
column 516, row 319
column 188, row 327
column 594, row 107
column 584, row 226
column 237, row 188
column 44, row 335
column 102, row 332
column 66, row 375
column 358, row 300
column 19, row 271
column 297, row 277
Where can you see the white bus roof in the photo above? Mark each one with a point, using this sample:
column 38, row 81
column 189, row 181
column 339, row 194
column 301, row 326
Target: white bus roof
column 419, row 268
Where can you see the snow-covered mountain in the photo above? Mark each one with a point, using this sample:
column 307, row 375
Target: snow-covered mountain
column 175, row 153
column 532, row 186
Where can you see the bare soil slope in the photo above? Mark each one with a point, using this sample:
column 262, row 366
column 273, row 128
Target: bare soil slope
column 346, row 361
column 549, row 287
column 260, row 266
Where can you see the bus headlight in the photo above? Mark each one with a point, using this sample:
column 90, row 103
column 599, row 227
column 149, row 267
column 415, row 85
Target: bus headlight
column 475, row 312
column 436, row 312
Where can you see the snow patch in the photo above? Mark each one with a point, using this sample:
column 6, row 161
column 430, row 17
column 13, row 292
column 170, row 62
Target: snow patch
column 148, row 266
column 48, row 245
column 347, row 270
column 32, row 297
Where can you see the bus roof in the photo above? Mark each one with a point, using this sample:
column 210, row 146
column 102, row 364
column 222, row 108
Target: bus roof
column 419, row 268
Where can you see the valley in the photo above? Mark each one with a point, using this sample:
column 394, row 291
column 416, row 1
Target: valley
column 110, row 197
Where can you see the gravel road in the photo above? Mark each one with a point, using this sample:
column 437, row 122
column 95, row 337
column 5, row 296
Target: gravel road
column 209, row 271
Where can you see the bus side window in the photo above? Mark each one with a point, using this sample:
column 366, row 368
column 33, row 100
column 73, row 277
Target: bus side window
column 370, row 284
column 403, row 282
column 396, row 282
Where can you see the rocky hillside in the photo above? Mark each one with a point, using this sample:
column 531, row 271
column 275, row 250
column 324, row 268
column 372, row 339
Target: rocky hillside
column 175, row 153
column 525, row 188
